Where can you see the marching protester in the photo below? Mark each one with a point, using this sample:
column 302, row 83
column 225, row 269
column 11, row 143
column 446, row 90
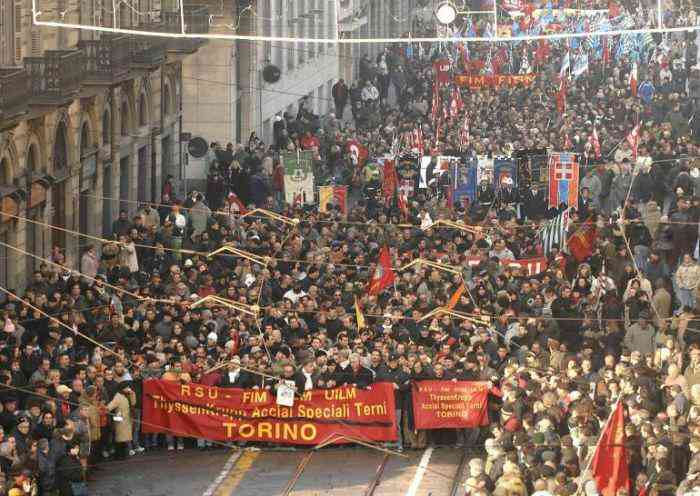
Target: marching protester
column 566, row 217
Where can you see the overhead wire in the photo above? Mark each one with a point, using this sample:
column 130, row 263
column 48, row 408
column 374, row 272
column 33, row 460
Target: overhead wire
column 302, row 312
column 74, row 330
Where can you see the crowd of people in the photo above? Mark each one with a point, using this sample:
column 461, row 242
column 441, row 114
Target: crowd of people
column 560, row 349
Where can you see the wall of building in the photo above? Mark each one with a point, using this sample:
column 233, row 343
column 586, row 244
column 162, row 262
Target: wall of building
column 121, row 142
column 307, row 69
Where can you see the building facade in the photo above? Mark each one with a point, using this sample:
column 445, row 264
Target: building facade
column 90, row 124
column 225, row 96
column 307, row 69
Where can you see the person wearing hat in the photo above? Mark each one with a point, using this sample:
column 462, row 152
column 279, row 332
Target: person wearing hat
column 22, row 434
column 120, row 407
column 64, row 405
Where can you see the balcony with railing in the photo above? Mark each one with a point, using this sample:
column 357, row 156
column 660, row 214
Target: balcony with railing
column 14, row 92
column 196, row 22
column 106, row 59
column 54, row 78
column 147, row 51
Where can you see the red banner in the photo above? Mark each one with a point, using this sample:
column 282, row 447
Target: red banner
column 229, row 414
column 509, row 80
column 450, row 405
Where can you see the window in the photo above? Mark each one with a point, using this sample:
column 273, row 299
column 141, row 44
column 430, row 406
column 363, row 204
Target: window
column 124, row 21
column 166, row 100
column 87, row 17
column 320, row 20
column 31, row 160
column 106, row 129
column 84, row 140
column 5, row 172
column 267, row 24
column 125, row 118
column 34, row 232
column 60, row 148
column 143, row 110
column 7, row 33
column 301, row 46
column 36, row 42
column 62, row 35
column 18, row 32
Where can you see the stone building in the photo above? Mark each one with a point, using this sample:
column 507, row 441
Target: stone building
column 90, row 122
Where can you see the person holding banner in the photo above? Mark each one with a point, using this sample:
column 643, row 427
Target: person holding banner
column 393, row 373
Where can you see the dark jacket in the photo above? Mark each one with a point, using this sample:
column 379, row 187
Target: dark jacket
column 395, row 376
column 68, row 470
column 362, row 378
column 241, row 381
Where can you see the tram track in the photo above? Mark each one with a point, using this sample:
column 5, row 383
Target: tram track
column 370, row 489
column 457, row 480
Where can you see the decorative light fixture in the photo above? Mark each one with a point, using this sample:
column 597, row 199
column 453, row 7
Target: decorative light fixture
column 445, row 12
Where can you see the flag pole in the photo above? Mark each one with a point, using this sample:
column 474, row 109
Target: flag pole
column 592, row 455
column 615, row 147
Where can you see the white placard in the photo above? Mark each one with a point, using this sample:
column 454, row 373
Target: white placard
column 285, row 393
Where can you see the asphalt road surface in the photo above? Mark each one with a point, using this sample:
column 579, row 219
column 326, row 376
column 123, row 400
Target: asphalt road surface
column 347, row 471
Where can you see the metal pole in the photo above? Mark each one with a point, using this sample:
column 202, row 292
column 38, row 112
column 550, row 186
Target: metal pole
column 495, row 19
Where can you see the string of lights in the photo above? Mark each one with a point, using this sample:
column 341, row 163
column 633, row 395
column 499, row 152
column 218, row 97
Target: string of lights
column 36, row 13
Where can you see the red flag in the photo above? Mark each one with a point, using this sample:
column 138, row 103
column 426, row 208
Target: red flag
column 542, row 52
column 606, row 52
column 383, row 276
column 340, row 196
column 561, row 96
column 435, row 105
column 418, row 140
column 595, row 142
column 568, row 145
column 633, row 140
column 633, row 79
column 609, row 465
column 464, row 132
column 402, row 201
column 391, row 182
column 235, row 205
column 456, row 103
column 582, row 242
column 358, row 152
column 499, row 59
column 645, row 490
column 441, row 70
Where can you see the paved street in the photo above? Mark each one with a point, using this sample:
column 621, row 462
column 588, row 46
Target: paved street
column 347, row 471
column 160, row 474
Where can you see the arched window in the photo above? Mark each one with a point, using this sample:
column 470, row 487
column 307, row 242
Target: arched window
column 60, row 148
column 125, row 118
column 5, row 172
column 166, row 100
column 84, row 140
column 124, row 17
column 32, row 165
column 143, row 111
column 106, row 129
